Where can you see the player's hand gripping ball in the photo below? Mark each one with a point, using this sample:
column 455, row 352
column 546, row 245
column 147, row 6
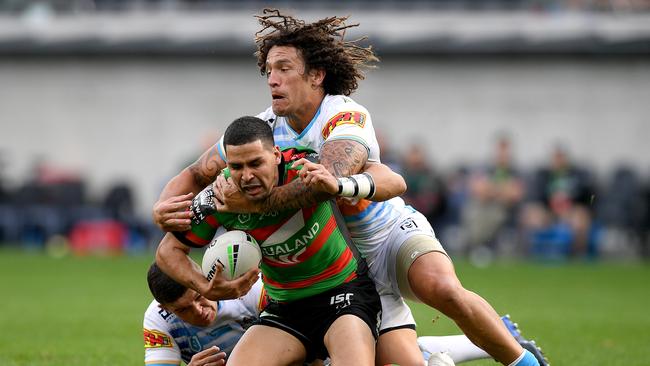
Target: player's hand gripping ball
column 236, row 251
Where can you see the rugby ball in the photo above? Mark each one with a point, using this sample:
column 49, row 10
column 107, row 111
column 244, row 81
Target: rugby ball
column 236, row 251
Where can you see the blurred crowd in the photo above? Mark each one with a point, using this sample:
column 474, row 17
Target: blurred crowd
column 53, row 210
column 555, row 212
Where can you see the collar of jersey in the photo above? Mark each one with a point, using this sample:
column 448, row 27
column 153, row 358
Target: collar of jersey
column 311, row 123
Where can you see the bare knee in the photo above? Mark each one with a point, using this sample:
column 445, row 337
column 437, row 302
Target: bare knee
column 448, row 295
column 434, row 282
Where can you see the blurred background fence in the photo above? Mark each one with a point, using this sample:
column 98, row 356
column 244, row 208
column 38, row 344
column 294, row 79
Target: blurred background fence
column 520, row 126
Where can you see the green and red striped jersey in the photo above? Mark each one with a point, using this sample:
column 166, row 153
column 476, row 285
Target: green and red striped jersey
column 304, row 252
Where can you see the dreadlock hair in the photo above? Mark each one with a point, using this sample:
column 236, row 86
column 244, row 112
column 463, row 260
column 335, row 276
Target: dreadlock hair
column 321, row 45
column 163, row 288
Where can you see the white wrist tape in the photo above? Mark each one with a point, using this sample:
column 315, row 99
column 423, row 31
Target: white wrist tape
column 358, row 186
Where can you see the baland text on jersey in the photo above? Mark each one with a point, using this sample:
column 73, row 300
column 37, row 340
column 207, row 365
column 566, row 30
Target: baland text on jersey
column 288, row 251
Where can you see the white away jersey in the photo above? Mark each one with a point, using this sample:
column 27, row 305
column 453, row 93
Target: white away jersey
column 339, row 117
column 168, row 339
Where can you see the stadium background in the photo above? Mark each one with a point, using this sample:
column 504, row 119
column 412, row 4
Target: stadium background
column 103, row 101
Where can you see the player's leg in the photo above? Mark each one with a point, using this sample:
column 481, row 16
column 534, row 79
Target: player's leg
column 431, row 279
column 350, row 341
column 353, row 313
column 397, row 341
column 461, row 349
column 528, row 344
column 264, row 345
column 398, row 347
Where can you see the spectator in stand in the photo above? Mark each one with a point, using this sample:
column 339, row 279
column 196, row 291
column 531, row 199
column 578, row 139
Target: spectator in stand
column 389, row 156
column 425, row 188
column 559, row 218
column 495, row 194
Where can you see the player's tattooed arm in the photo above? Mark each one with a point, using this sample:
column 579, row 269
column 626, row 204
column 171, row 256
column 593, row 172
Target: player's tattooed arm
column 343, row 157
column 340, row 157
column 206, row 169
column 196, row 176
column 293, row 196
column 388, row 184
column 171, row 212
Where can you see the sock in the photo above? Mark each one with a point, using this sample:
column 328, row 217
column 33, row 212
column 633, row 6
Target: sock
column 459, row 347
column 526, row 359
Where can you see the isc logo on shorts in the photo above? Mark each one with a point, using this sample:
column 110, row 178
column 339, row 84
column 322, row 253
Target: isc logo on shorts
column 341, row 300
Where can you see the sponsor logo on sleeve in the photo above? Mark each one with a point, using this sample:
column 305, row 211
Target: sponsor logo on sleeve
column 156, row 339
column 344, row 118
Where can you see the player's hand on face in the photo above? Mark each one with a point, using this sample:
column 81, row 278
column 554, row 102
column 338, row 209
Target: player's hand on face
column 209, row 357
column 230, row 199
column 316, row 176
column 222, row 289
column 172, row 214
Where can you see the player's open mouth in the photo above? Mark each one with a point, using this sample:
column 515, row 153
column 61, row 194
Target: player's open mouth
column 253, row 190
column 277, row 96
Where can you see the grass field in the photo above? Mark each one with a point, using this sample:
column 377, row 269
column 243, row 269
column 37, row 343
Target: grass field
column 88, row 311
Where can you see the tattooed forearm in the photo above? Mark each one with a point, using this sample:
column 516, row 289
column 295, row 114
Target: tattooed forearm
column 293, row 196
column 339, row 169
column 206, row 169
column 343, row 157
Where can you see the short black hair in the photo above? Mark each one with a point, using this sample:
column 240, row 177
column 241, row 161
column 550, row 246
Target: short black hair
column 163, row 288
column 248, row 129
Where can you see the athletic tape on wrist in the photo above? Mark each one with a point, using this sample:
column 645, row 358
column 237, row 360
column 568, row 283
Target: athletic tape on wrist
column 357, row 186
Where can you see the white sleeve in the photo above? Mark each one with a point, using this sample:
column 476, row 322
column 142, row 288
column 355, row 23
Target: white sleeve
column 159, row 347
column 351, row 121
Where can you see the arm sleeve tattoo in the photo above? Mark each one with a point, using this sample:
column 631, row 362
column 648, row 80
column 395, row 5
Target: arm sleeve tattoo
column 206, row 169
column 340, row 157
column 343, row 157
column 293, row 196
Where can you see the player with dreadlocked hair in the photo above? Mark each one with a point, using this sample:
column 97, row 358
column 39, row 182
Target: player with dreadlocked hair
column 311, row 71
column 322, row 46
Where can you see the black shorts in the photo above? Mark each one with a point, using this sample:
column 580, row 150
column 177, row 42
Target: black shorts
column 309, row 319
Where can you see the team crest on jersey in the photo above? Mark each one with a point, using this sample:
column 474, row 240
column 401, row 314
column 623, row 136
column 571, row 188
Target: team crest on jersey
column 344, row 118
column 243, row 218
column 156, row 339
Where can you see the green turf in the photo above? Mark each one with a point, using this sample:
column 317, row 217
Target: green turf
column 581, row 314
column 88, row 311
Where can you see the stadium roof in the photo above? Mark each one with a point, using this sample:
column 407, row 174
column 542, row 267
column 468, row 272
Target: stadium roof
column 226, row 32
